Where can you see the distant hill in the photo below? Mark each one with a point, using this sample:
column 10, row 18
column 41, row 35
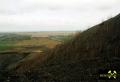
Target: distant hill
column 78, row 60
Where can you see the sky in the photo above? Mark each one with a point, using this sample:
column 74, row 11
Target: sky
column 55, row 15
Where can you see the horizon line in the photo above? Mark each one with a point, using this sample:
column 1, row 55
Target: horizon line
column 41, row 31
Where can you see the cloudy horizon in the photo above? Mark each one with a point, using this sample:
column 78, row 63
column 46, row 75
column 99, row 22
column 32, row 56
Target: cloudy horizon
column 54, row 15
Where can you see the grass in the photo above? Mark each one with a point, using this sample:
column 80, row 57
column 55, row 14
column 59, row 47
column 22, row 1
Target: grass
column 38, row 42
column 62, row 38
column 4, row 45
column 7, row 40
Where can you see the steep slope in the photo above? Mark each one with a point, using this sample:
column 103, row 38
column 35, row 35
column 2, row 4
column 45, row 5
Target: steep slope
column 82, row 58
column 78, row 60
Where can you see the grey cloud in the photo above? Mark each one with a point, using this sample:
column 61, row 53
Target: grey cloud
column 54, row 14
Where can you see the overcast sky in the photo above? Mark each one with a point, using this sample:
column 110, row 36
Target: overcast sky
column 54, row 15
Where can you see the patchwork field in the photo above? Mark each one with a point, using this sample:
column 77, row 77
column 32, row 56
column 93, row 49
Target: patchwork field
column 24, row 48
column 32, row 41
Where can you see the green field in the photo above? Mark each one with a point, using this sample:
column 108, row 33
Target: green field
column 7, row 40
column 4, row 45
column 62, row 38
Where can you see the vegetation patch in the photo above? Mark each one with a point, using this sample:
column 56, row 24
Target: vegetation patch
column 63, row 38
column 7, row 40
